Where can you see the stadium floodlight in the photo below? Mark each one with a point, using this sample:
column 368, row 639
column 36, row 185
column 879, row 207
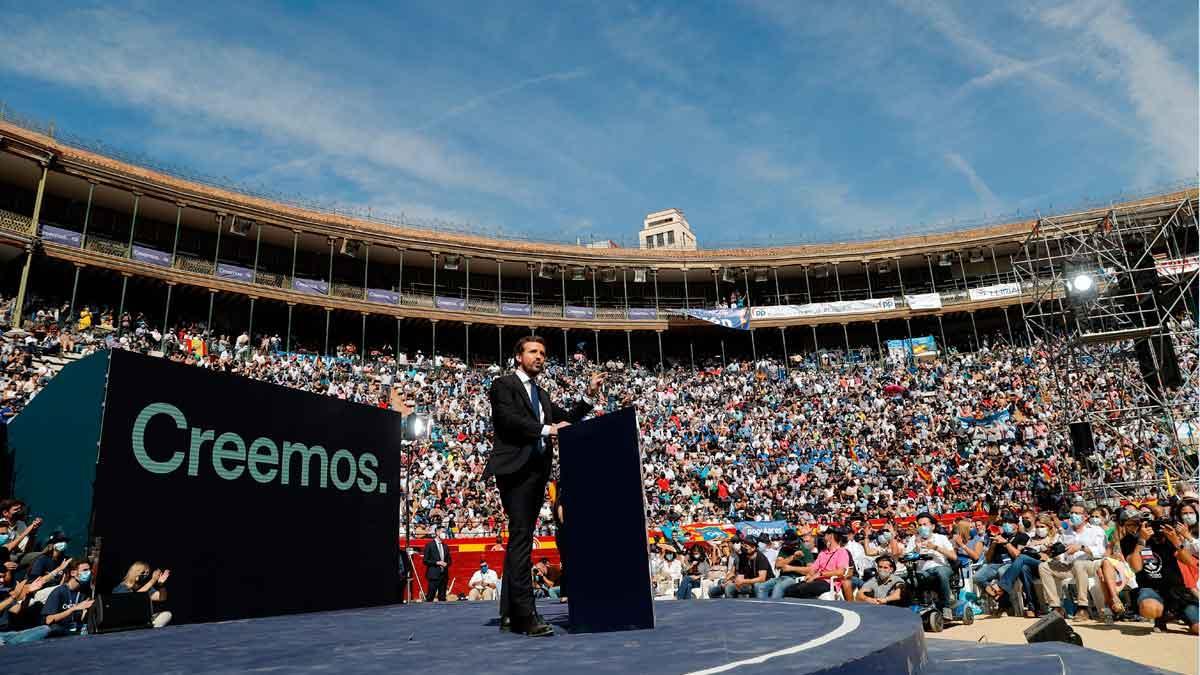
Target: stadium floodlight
column 945, row 260
column 1082, row 282
column 609, row 275
column 821, row 271
column 415, row 427
column 578, row 274
column 639, row 275
column 451, row 262
column 760, row 275
column 976, row 256
column 350, row 247
column 240, row 226
column 728, row 275
column 547, row 271
column 884, row 268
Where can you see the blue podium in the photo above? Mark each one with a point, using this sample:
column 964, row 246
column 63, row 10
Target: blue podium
column 603, row 537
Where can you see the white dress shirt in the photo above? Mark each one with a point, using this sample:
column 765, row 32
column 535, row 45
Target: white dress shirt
column 525, row 381
column 1092, row 540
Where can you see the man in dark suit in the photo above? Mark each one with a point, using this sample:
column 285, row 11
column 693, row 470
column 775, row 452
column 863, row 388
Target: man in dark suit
column 437, row 566
column 526, row 424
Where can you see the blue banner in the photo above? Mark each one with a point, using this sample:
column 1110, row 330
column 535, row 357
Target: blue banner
column 917, row 345
column 453, row 304
column 310, row 286
column 151, row 255
column 642, row 314
column 998, row 416
column 516, row 309
column 753, row 528
column 384, row 296
column 62, row 236
column 738, row 319
column 576, row 312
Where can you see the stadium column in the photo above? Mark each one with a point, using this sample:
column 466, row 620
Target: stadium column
column 87, row 216
column 531, row 292
column 783, row 339
column 662, row 364
column 596, row 336
column 871, row 295
column 775, row 272
column 686, row 306
column 996, row 269
column 749, row 305
column 397, row 340
column 295, row 245
column 933, row 289
column 467, row 288
column 467, row 343
column 625, row 289
column 328, row 312
column 837, row 277
column 717, row 283
column 655, row 271
column 287, row 346
column 37, row 214
column 212, row 294
column 217, row 252
column 434, row 256
column 629, row 348
column 166, row 317
column 250, row 327
column 362, row 354
column 595, row 303
column 962, row 268
column 499, row 288
column 808, row 295
column 433, row 341
column 175, row 239
column 562, row 276
column 121, row 307
column 500, row 345
column 329, row 286
column 907, row 319
column 366, row 268
column 137, row 198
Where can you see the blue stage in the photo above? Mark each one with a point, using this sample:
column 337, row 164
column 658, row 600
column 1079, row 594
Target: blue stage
column 692, row 637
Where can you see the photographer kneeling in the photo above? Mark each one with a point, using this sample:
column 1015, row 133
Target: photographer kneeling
column 1161, row 590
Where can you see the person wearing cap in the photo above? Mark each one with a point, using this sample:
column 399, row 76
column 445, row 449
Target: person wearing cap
column 752, row 568
column 788, row 563
column 53, row 555
column 483, row 583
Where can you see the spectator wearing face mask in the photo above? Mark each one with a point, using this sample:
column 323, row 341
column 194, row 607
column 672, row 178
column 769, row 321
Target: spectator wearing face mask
column 752, row 568
column 788, row 563
column 670, row 574
column 52, row 557
column 437, row 567
column 886, row 587
column 14, row 535
column 15, row 603
column 1084, row 553
column 830, row 566
column 695, row 569
column 66, row 607
column 1186, row 518
column 483, row 583
column 139, row 579
column 935, row 570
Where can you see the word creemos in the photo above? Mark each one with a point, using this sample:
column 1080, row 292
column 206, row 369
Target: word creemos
column 262, row 459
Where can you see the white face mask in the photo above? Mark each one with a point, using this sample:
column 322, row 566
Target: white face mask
column 1189, row 519
column 1042, row 531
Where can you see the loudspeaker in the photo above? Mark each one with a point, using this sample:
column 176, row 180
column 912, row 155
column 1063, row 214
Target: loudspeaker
column 1082, row 442
column 120, row 611
column 1052, row 628
column 1168, row 364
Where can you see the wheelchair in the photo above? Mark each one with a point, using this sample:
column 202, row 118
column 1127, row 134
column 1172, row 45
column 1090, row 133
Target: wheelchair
column 959, row 607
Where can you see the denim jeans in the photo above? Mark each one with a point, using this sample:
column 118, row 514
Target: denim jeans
column 773, row 588
column 686, row 584
column 20, row 637
column 1026, row 568
column 940, row 576
column 729, row 591
column 987, row 574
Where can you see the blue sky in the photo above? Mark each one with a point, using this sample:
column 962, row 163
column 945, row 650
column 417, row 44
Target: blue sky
column 766, row 122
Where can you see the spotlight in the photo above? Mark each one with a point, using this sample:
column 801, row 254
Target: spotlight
column 1082, row 282
column 415, row 427
column 760, row 276
column 728, row 275
column 450, row 262
column 883, row 268
column 350, row 247
column 639, row 275
column 578, row 273
column 547, row 271
column 945, row 260
column 609, row 275
column 240, row 226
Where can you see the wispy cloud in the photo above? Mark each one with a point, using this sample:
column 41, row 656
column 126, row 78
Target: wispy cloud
column 498, row 93
column 986, row 197
column 164, row 70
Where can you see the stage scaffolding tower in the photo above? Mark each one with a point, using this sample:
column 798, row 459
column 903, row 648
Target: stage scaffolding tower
column 1112, row 298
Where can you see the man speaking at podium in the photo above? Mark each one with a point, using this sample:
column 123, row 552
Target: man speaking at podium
column 526, row 424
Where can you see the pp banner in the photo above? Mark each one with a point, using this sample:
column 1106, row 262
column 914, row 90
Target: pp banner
column 825, row 308
column 738, row 319
column 753, row 528
column 994, row 291
column 924, row 301
column 248, row 492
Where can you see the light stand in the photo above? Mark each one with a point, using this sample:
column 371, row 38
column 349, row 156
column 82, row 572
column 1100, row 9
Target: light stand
column 413, row 428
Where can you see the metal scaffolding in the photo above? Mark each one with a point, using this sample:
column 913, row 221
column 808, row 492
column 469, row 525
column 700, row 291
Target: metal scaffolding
column 1113, row 296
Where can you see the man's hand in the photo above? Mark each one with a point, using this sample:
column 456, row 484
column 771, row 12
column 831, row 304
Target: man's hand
column 162, row 578
column 86, row 604
column 441, row 563
column 595, row 384
column 559, row 426
column 1172, row 536
column 37, row 522
column 37, row 584
column 11, row 566
column 62, row 566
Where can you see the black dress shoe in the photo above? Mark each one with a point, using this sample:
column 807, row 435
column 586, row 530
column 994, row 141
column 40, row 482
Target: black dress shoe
column 533, row 626
column 505, row 624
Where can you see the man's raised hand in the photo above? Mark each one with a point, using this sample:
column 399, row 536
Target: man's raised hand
column 596, row 383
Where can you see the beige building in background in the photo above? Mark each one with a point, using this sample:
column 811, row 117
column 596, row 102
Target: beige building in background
column 667, row 229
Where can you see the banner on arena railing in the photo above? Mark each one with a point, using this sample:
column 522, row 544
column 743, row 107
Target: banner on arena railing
column 1170, row 267
column 753, row 528
column 924, row 301
column 235, row 272
column 452, row 304
column 998, row 416
column 516, row 309
column 707, row 531
column 575, row 312
column 642, row 314
column 738, row 319
column 310, row 286
column 825, row 308
column 994, row 291
column 62, row 236
column 382, row 295
column 918, row 345
column 151, row 255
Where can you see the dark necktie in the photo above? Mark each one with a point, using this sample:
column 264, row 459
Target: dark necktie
column 535, row 399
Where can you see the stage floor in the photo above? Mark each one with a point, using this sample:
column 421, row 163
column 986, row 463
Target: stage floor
column 691, row 637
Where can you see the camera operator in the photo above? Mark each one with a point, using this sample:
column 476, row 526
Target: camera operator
column 1157, row 560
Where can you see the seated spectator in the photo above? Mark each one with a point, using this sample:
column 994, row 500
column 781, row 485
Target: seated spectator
column 788, row 564
column 499, row 545
column 752, row 568
column 1085, row 547
column 669, row 575
column 1162, row 592
column 139, row 579
column 886, row 587
column 65, row 609
column 695, row 568
column 483, row 583
column 1020, row 558
column 830, row 566
column 53, row 558
column 13, row 603
column 937, row 554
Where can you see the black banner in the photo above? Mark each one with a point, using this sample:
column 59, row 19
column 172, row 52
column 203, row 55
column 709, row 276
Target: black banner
column 261, row 500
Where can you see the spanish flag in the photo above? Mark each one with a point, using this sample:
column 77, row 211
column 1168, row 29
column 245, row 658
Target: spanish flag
column 925, row 475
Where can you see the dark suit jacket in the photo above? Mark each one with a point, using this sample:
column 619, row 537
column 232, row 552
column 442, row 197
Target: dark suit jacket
column 516, row 429
column 432, row 571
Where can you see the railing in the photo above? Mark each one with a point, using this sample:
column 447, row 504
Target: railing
column 340, row 290
column 195, row 265
column 13, row 222
column 116, row 249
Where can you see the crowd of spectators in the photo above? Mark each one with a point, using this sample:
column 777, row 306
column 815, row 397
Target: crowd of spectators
column 815, row 443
